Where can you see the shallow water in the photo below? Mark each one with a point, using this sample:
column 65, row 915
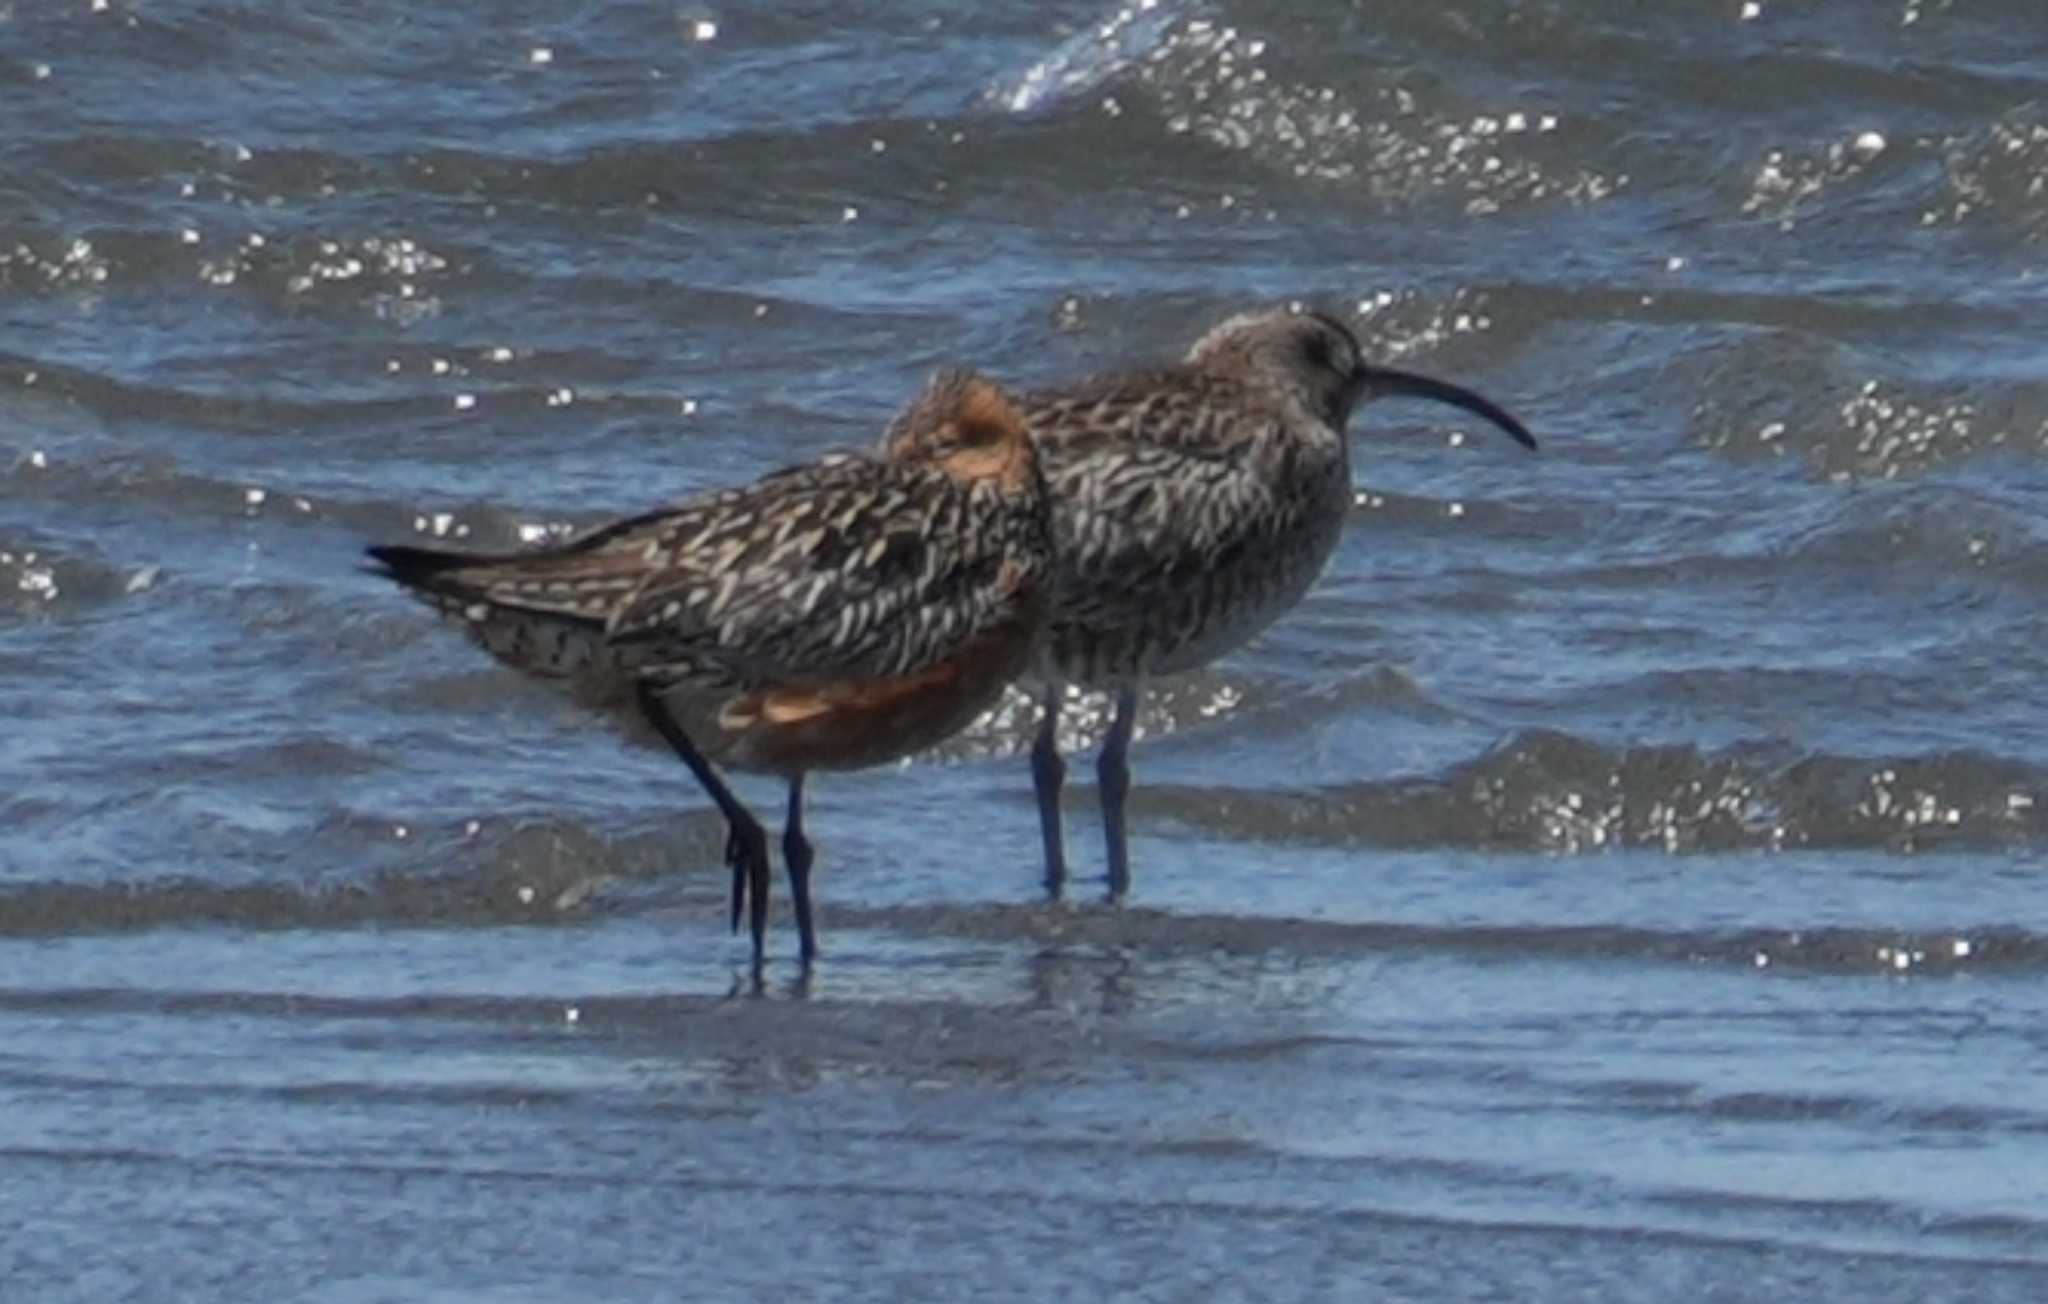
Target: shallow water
column 1622, row 877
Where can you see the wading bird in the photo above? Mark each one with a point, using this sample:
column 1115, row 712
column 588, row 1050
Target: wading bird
column 1192, row 506
column 830, row 616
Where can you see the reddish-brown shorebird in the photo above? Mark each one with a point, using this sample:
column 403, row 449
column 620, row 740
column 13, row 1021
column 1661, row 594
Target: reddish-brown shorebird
column 1192, row 506
column 831, row 616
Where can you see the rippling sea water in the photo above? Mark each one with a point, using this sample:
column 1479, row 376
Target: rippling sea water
column 1622, row 878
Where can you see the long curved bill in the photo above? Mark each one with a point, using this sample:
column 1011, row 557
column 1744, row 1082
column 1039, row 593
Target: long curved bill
column 1406, row 384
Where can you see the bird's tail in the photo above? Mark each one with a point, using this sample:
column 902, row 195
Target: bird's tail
column 429, row 570
column 556, row 643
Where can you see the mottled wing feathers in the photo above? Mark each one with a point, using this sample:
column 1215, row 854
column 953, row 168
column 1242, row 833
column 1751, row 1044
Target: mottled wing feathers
column 581, row 581
column 830, row 574
column 1177, row 407
column 818, row 571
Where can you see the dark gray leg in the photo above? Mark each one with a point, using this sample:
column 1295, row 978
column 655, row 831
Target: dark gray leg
column 1048, row 772
column 1113, row 775
column 736, row 857
column 796, row 853
column 746, row 843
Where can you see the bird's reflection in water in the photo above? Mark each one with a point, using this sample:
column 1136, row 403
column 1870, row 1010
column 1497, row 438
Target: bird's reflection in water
column 1086, row 979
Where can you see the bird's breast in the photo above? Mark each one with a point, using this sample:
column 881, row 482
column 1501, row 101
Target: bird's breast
column 1194, row 577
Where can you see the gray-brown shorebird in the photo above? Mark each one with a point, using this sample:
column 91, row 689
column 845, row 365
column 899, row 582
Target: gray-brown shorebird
column 1192, row 506
column 834, row 615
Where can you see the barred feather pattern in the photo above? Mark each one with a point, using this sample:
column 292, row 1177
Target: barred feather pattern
column 1190, row 510
column 852, row 567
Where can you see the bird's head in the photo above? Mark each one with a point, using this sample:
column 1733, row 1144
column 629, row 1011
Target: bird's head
column 965, row 424
column 1316, row 357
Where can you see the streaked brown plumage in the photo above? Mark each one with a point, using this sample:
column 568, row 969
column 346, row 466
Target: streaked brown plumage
column 830, row 616
column 1192, row 506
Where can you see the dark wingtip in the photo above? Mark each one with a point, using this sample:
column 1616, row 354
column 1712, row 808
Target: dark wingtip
column 411, row 565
